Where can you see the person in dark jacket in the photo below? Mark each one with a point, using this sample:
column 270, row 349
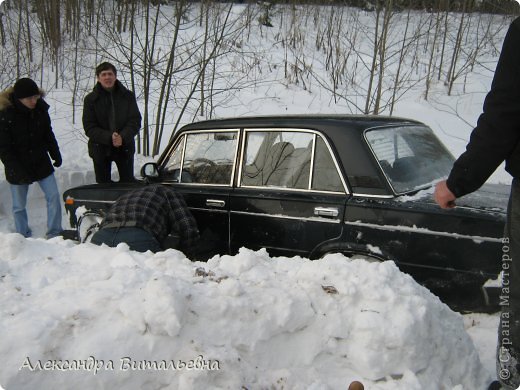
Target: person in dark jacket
column 111, row 120
column 26, row 141
column 144, row 218
column 495, row 139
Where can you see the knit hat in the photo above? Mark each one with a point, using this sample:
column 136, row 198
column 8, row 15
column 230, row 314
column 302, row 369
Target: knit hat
column 25, row 87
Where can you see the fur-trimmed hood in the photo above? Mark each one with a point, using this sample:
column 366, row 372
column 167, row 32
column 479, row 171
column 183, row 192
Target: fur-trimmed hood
column 5, row 97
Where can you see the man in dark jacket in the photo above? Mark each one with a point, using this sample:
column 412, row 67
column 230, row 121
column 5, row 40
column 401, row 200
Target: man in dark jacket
column 111, row 120
column 144, row 217
column 26, row 141
column 496, row 139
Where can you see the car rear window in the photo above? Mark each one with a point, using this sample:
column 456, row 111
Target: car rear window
column 411, row 157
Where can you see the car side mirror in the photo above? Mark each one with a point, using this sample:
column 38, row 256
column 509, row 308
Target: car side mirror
column 150, row 170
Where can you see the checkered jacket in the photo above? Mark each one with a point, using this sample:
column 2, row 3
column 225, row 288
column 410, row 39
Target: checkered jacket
column 159, row 210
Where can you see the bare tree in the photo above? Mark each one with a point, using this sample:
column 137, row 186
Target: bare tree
column 373, row 66
column 166, row 85
column 402, row 53
column 185, row 60
column 433, row 50
column 451, row 77
column 382, row 52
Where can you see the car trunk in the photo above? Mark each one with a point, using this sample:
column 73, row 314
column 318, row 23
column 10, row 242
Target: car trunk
column 489, row 196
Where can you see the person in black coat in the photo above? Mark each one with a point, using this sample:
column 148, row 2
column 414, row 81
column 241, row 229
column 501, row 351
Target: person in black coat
column 111, row 120
column 495, row 139
column 26, row 141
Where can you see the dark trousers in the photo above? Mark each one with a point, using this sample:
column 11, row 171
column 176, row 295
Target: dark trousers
column 125, row 167
column 508, row 352
column 136, row 238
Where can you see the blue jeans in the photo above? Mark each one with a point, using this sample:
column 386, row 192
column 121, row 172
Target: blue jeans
column 137, row 239
column 52, row 197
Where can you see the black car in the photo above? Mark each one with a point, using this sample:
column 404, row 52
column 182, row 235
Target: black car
column 312, row 185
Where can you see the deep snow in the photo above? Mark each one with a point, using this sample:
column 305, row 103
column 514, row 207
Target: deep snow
column 252, row 320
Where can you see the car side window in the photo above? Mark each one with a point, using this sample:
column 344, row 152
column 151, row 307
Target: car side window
column 204, row 158
column 283, row 159
column 172, row 167
column 277, row 159
column 209, row 157
column 325, row 176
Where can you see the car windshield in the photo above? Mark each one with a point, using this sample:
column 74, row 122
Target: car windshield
column 411, row 157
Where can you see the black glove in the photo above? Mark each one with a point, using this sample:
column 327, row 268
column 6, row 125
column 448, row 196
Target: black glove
column 57, row 161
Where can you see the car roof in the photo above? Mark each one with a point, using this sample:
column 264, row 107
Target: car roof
column 358, row 122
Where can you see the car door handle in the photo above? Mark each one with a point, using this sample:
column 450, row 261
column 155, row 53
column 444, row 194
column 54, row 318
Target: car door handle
column 215, row 203
column 326, row 211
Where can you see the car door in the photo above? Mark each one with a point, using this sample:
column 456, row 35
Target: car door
column 290, row 197
column 201, row 165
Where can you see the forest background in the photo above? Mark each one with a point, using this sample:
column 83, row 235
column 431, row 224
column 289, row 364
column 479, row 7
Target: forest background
column 188, row 60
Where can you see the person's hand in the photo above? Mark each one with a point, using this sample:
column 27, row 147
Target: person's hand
column 443, row 196
column 57, row 162
column 117, row 140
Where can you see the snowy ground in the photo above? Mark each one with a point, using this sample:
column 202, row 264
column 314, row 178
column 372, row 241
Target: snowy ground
column 80, row 316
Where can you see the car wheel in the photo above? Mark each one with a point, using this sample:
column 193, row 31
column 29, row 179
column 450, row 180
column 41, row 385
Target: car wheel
column 88, row 224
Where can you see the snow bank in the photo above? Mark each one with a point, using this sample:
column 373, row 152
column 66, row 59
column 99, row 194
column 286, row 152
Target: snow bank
column 81, row 316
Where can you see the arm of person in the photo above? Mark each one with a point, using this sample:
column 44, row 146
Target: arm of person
column 91, row 124
column 52, row 144
column 12, row 162
column 497, row 133
column 182, row 219
column 133, row 120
